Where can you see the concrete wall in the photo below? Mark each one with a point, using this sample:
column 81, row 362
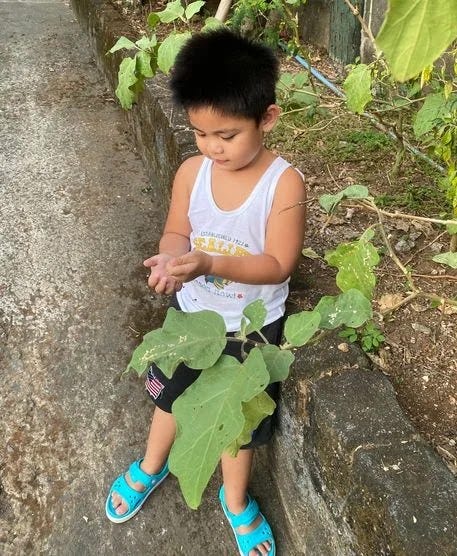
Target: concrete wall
column 330, row 25
column 353, row 475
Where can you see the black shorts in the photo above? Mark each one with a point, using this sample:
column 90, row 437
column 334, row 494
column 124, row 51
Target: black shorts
column 164, row 391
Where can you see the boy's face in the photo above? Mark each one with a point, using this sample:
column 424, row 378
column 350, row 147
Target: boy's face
column 231, row 142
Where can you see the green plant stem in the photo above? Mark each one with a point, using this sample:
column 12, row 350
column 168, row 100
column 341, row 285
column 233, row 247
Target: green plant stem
column 415, row 291
column 435, row 297
column 435, row 277
column 244, row 341
column 453, row 243
column 392, row 253
column 262, row 336
column 253, row 342
column 286, row 345
column 400, row 155
column 400, row 303
column 369, row 205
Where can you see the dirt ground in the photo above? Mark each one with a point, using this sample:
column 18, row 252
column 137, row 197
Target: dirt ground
column 420, row 352
column 333, row 151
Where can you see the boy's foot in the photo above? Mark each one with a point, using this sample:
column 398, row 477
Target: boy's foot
column 252, row 532
column 130, row 491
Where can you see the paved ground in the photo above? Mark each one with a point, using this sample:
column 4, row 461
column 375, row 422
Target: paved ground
column 75, row 224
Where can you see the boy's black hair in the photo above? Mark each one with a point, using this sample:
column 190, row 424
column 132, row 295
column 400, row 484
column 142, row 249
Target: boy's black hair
column 227, row 72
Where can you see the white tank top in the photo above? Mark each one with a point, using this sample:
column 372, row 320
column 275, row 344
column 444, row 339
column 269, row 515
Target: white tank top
column 238, row 232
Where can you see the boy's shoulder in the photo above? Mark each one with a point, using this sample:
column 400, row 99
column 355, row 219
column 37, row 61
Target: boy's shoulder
column 291, row 186
column 187, row 172
column 191, row 165
column 292, row 174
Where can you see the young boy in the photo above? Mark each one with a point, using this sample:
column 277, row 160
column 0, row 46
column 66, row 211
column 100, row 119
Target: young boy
column 233, row 235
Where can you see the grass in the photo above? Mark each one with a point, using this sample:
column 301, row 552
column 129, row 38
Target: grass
column 415, row 198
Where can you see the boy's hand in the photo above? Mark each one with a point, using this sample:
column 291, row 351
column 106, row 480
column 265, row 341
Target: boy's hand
column 189, row 266
column 160, row 280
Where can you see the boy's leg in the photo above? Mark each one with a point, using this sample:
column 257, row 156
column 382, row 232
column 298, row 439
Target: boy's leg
column 236, row 472
column 161, row 436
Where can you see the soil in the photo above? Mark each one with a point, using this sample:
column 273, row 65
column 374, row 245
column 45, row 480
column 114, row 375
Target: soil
column 337, row 149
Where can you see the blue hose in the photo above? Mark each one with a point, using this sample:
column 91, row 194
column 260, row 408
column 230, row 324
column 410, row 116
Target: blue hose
column 319, row 76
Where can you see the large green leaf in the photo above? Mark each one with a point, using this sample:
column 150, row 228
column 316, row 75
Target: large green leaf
column 256, row 313
column 147, row 43
column 355, row 262
column 143, row 64
column 254, row 411
column 329, row 202
column 172, row 11
column 169, row 49
column 153, row 20
column 278, row 361
column 425, row 118
column 357, row 87
column 126, row 79
column 197, row 339
column 212, row 23
column 122, row 42
column 350, row 308
column 210, row 418
column 356, row 191
column 415, row 33
column 449, row 259
column 301, row 327
column 193, row 8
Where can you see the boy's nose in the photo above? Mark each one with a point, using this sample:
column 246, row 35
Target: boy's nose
column 217, row 148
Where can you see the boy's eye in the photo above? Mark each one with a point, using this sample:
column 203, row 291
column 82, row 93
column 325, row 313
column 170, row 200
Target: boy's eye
column 199, row 133
column 227, row 138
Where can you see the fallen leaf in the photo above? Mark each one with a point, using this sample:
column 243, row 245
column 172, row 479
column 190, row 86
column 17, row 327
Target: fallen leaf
column 421, row 328
column 402, row 225
column 310, row 253
column 447, row 309
column 389, row 300
column 419, row 308
column 425, row 227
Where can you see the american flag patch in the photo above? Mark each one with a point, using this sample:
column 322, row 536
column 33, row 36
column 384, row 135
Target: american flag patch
column 153, row 385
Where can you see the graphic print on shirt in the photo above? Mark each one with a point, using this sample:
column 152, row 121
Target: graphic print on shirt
column 221, row 244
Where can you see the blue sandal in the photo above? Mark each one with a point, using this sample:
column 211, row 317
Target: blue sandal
column 131, row 497
column 247, row 541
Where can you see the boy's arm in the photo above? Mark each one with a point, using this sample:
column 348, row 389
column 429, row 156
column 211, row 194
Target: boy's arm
column 175, row 237
column 283, row 243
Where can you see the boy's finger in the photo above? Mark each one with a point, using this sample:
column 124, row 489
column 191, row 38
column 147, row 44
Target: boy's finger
column 161, row 285
column 149, row 262
column 152, row 280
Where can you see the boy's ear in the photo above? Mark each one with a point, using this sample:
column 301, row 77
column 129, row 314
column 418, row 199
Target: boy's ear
column 270, row 117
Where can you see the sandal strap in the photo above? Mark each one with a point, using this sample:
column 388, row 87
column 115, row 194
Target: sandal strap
column 261, row 533
column 139, row 476
column 247, row 516
column 129, row 495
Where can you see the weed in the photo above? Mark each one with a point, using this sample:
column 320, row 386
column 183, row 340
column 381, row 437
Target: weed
column 369, row 336
column 418, row 199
